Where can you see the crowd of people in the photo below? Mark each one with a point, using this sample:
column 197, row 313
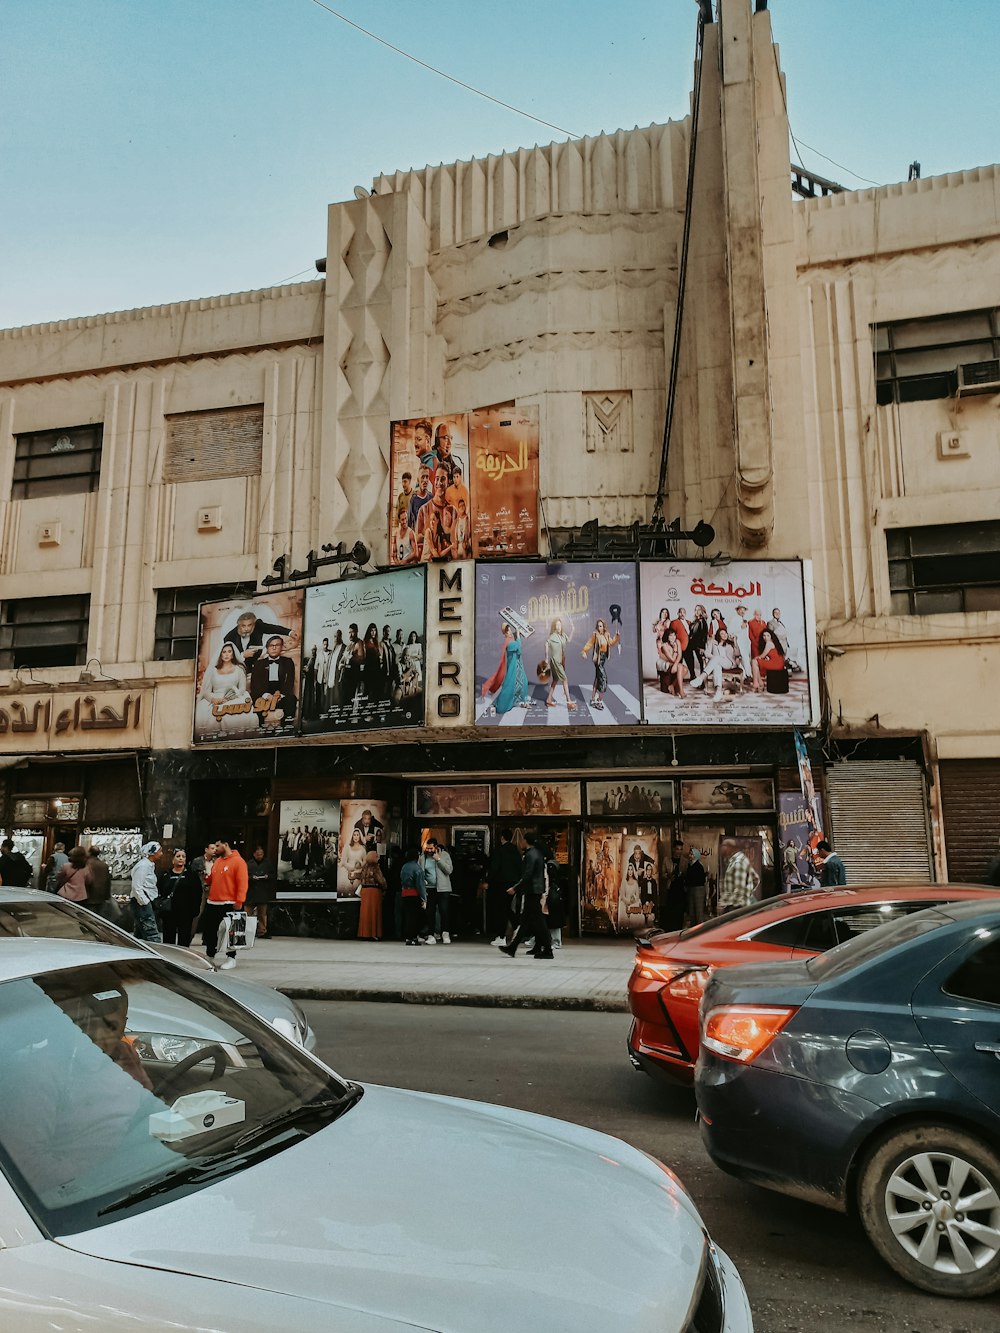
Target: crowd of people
column 705, row 649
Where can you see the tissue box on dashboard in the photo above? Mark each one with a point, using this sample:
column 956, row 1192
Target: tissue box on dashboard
column 196, row 1113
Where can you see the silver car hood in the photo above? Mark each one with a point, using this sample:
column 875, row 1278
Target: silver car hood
column 444, row 1214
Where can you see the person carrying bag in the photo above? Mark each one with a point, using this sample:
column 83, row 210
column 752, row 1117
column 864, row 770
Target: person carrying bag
column 73, row 883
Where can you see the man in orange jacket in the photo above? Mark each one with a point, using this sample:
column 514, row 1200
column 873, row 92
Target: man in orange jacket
column 227, row 891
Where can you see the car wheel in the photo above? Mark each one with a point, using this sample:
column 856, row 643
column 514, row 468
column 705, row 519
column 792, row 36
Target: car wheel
column 929, row 1199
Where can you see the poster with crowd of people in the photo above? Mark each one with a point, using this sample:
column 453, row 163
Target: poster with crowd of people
column 628, row 799
column 725, row 646
column 247, row 670
column 364, row 825
column 538, row 798
column 602, row 853
column 621, row 875
column 308, row 834
column 464, row 485
column 363, row 654
column 556, row 645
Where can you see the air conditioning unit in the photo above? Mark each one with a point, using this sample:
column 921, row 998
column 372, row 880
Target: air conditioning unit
column 979, row 377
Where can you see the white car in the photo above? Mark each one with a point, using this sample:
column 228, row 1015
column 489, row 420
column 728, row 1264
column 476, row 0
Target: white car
column 249, row 1187
column 47, row 916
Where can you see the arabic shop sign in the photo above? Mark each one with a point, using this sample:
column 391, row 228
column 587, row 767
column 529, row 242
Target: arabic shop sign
column 59, row 721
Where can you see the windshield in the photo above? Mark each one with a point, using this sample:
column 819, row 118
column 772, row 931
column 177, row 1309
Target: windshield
column 854, row 952
column 137, row 1079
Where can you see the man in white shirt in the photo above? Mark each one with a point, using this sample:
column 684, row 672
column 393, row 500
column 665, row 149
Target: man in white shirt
column 145, row 893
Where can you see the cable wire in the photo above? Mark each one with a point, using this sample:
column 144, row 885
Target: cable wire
column 441, row 73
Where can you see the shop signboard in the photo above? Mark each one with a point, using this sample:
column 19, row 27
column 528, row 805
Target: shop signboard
column 96, row 715
column 712, row 796
column 727, row 646
column 364, row 653
column 452, row 800
column 556, row 645
column 464, row 485
column 308, row 833
column 538, row 798
column 247, row 671
column 363, row 823
column 630, row 798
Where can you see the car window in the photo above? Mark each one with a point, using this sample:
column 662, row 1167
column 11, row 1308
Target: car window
column 126, row 1082
column 739, row 914
column 978, row 978
column 849, row 922
column 56, row 921
column 790, row 932
column 845, row 957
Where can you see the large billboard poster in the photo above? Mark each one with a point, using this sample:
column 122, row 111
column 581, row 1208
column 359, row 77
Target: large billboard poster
column 464, row 485
column 556, row 644
column 364, row 652
column 725, row 646
column 503, row 449
column 247, row 677
column 430, row 509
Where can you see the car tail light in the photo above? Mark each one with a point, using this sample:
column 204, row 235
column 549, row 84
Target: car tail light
column 690, row 985
column 656, row 970
column 741, row 1032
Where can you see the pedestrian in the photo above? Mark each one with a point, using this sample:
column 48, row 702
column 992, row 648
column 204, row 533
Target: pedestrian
column 262, row 890
column 99, row 885
column 413, row 890
column 533, row 923
column 555, row 901
column 833, row 872
column 505, row 868
column 72, row 879
column 144, row 894
column 48, row 879
column 180, row 898
column 695, row 879
column 227, row 891
column 993, row 871
column 739, row 883
column 392, row 904
column 370, row 892
column 202, row 867
column 15, row 868
column 437, row 867
column 674, row 900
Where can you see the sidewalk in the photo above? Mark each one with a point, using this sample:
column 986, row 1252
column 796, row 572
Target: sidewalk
column 584, row 974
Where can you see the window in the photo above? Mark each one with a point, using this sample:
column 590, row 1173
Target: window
column 945, row 567
column 202, row 446
column 44, row 632
column 918, row 359
column 979, row 976
column 57, row 462
column 177, row 619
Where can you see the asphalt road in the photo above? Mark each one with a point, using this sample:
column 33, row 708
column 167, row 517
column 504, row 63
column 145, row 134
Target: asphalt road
column 807, row 1270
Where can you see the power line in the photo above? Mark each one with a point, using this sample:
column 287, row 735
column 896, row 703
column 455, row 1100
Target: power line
column 830, row 159
column 441, row 73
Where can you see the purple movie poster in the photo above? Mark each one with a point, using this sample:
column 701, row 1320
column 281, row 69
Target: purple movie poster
column 556, row 645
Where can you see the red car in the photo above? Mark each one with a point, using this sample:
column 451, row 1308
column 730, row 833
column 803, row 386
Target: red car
column 672, row 970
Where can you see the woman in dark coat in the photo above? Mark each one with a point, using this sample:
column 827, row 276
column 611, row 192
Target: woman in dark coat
column 261, row 890
column 180, row 890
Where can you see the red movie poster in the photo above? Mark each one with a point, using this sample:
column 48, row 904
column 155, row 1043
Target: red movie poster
column 503, row 450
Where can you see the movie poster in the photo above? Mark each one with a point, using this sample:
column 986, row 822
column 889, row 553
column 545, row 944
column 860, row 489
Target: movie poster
column 363, row 653
column 556, row 645
column 538, row 798
column 709, row 796
column 725, row 646
column 449, row 800
column 429, row 471
column 503, row 452
column 601, row 880
column 706, row 838
column 363, row 824
column 640, row 877
column 798, row 834
column 628, row 799
column 247, row 671
column 308, row 833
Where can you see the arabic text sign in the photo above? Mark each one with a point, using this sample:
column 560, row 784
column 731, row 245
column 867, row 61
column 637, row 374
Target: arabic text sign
column 100, row 719
column 503, row 443
column 727, row 646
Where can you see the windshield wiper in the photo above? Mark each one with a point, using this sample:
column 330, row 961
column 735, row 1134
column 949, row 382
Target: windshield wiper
column 221, row 1163
column 299, row 1115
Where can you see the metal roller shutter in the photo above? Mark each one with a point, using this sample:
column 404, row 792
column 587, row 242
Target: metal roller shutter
column 970, row 802
column 878, row 820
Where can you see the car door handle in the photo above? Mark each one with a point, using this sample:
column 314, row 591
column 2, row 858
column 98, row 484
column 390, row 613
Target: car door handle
column 989, row 1047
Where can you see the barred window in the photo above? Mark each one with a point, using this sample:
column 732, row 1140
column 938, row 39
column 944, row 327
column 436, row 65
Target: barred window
column 177, row 618
column 919, row 359
column 57, row 462
column 44, row 631
column 944, row 567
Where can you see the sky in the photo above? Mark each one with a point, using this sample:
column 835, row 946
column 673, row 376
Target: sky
column 161, row 150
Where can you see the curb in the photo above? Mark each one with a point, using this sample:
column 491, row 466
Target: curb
column 587, row 1003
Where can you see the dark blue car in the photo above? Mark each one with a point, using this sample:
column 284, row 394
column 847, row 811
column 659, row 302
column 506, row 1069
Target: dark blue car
column 868, row 1079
